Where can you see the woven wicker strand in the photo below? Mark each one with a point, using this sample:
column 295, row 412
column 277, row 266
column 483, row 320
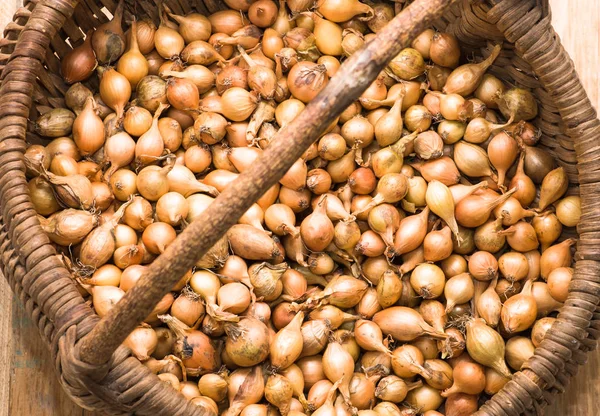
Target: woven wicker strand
column 532, row 58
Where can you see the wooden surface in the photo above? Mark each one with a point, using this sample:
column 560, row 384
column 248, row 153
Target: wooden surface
column 28, row 385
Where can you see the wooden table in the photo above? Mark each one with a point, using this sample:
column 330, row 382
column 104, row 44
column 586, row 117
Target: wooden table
column 28, row 385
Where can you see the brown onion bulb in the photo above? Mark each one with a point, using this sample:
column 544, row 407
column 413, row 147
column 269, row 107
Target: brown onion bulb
column 80, row 62
column 108, row 40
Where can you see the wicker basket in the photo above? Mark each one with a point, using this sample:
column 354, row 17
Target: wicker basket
column 532, row 58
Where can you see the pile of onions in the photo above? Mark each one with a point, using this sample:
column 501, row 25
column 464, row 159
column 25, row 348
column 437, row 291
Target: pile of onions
column 402, row 262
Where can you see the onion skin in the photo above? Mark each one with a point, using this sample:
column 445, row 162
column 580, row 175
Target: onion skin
column 250, row 243
column 404, row 324
column 247, row 342
column 80, row 62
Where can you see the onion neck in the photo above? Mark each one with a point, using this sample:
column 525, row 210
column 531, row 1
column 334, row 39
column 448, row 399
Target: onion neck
column 117, row 17
column 400, row 146
column 486, row 63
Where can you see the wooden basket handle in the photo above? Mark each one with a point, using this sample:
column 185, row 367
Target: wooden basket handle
column 353, row 77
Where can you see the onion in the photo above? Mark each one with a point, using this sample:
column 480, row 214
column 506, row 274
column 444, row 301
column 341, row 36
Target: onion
column 502, row 151
column 483, row 266
column 568, row 210
column 210, row 127
column 318, row 181
column 137, row 121
column 558, row 255
column 521, row 237
column 152, row 182
column 246, row 37
column 369, row 336
column 517, row 103
column 511, row 211
column 422, row 42
column 279, row 392
column 445, row 50
column 341, row 10
column 486, row 236
column 465, row 79
column 150, row 145
column 317, row 229
column 411, row 232
column 489, row 305
column 437, row 76
column 513, row 266
column 553, row 187
column 391, row 188
column 115, row 91
column 167, row 41
column 338, row 366
column 520, row 311
column 388, row 129
column 518, row 350
column 474, row 210
column 298, row 201
column 544, row 300
column 37, row 158
column 404, row 324
column 454, row 265
column 108, row 40
column 385, row 220
column 123, row 184
column 358, row 131
column 461, row 404
column 151, row 91
column 172, row 208
column 142, row 341
column 238, row 104
column 55, row 123
column 442, row 169
column 132, row 64
column 439, row 200
column 425, row 398
column 558, row 283
column 157, row 236
column 459, row 289
column 80, row 62
column 417, row 117
column 306, row 80
column 246, row 387
column 231, row 76
column 247, row 342
column 408, row 64
column 489, row 89
column 69, row 226
column 486, row 346
column 64, row 166
column 334, row 315
column 74, row 191
column 539, row 330
column 182, row 180
column 286, row 346
column 342, row 291
column 88, row 129
column 104, row 298
column 341, row 169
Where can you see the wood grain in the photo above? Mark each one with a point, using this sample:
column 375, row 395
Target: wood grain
column 28, row 383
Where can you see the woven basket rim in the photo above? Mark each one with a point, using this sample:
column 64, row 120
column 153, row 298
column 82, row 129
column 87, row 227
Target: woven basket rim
column 527, row 386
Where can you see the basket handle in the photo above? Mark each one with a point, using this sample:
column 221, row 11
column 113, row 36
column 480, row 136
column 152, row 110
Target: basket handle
column 353, row 77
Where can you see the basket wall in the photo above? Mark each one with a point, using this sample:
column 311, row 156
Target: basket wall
column 532, row 58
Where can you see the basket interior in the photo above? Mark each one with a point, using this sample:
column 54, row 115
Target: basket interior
column 37, row 275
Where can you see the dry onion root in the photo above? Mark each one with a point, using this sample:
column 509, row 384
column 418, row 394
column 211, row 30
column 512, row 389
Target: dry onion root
column 385, row 270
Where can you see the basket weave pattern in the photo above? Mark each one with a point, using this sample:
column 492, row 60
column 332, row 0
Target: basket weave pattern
column 532, row 58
